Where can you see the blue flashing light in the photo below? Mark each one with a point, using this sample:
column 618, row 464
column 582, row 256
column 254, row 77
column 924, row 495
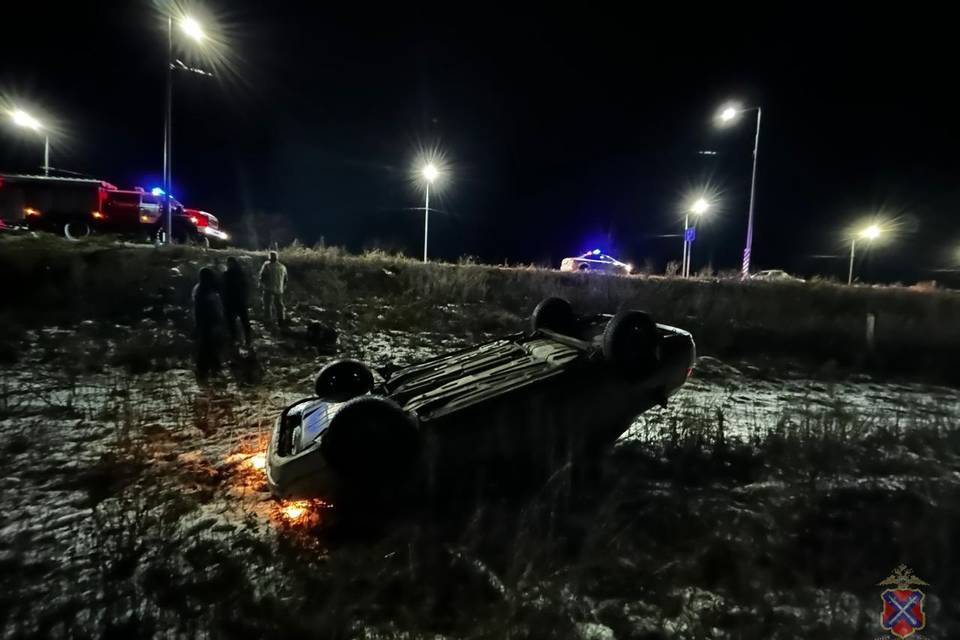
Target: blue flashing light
column 596, row 252
column 157, row 191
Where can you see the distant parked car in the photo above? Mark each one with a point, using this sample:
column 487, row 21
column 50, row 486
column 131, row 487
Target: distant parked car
column 775, row 275
column 519, row 406
column 596, row 261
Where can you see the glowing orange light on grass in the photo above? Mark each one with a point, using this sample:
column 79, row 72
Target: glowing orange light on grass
column 258, row 461
column 295, row 510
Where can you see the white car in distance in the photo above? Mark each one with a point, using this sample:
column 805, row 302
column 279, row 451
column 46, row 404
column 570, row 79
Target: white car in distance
column 598, row 261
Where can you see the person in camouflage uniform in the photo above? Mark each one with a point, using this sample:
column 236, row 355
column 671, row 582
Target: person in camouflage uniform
column 273, row 282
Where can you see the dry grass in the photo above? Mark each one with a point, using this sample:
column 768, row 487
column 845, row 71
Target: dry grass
column 917, row 330
column 688, row 534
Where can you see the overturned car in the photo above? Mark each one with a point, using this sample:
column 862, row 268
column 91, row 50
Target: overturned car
column 519, row 406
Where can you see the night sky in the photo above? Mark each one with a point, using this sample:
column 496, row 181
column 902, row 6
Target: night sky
column 564, row 130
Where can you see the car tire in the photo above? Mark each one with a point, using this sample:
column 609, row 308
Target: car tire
column 343, row 380
column 583, row 267
column 553, row 314
column 76, row 230
column 371, row 443
column 631, row 343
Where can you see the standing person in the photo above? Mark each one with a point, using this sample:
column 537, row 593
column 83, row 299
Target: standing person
column 208, row 319
column 235, row 300
column 273, row 281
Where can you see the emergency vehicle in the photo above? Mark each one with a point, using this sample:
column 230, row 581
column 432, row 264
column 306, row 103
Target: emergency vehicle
column 77, row 207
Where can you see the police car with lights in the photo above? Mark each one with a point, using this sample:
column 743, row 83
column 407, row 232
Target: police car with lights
column 598, row 261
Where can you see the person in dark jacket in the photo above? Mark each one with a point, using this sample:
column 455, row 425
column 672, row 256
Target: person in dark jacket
column 208, row 318
column 235, row 301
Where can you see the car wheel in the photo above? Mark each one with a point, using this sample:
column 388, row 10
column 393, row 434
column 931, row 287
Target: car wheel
column 75, row 231
column 583, row 267
column 342, row 380
column 371, row 441
column 553, row 314
column 631, row 342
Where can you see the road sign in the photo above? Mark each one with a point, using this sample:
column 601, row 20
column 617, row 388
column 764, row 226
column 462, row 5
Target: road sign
column 690, row 234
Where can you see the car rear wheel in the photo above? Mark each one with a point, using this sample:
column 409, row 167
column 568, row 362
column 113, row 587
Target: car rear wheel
column 76, row 230
column 631, row 342
column 553, row 314
column 371, row 442
column 342, row 380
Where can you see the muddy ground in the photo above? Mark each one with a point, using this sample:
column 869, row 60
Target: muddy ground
column 764, row 502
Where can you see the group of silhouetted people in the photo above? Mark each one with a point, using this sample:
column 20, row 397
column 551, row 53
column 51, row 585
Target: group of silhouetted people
column 221, row 303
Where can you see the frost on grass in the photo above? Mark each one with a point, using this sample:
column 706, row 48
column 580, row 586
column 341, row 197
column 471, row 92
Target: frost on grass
column 755, row 506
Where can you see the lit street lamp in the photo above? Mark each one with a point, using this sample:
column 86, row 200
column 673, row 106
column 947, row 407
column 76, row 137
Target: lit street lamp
column 726, row 116
column 429, row 174
column 869, row 234
column 699, row 207
column 23, row 119
column 192, row 29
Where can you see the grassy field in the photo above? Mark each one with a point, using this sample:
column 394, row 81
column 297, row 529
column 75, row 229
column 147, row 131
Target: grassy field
column 130, row 506
column 130, row 509
column 820, row 322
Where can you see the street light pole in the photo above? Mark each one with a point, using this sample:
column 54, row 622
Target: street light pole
column 428, row 173
column 853, row 246
column 698, row 207
column 168, row 134
column 745, row 271
column 686, row 245
column 869, row 233
column 23, row 119
column 426, row 221
column 46, row 154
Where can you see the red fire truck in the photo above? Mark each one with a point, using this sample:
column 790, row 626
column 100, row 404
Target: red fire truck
column 77, row 207
column 208, row 226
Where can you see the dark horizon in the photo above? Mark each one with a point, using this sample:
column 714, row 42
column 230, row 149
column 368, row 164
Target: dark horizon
column 563, row 132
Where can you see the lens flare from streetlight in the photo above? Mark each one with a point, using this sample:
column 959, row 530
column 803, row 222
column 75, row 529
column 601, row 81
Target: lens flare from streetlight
column 430, row 172
column 23, row 119
column 192, row 28
column 728, row 113
column 430, row 168
column 202, row 41
column 700, row 206
column 871, row 232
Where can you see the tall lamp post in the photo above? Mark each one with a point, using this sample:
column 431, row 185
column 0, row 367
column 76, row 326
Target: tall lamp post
column 23, row 119
column 699, row 207
column 726, row 116
column 429, row 174
column 192, row 29
column 869, row 233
